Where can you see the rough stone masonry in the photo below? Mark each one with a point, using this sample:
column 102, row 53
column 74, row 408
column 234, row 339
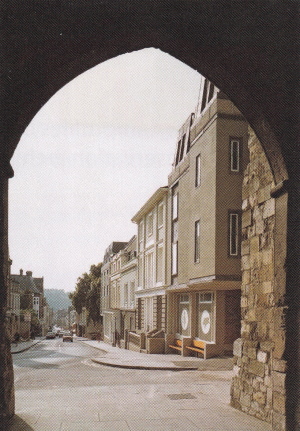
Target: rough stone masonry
column 258, row 386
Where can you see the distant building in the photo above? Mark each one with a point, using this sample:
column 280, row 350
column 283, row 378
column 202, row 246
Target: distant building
column 151, row 222
column 205, row 225
column 13, row 305
column 110, row 291
column 31, row 297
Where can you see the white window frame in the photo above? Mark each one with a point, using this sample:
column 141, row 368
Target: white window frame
column 235, row 154
column 197, row 239
column 198, row 170
column 175, row 258
column 234, row 223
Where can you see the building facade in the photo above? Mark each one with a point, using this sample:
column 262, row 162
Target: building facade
column 110, row 291
column 31, row 298
column 205, row 226
column 151, row 221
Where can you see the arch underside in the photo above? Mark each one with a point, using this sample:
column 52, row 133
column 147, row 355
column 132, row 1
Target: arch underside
column 49, row 46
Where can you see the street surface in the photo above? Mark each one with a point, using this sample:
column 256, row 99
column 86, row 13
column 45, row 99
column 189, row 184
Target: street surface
column 59, row 388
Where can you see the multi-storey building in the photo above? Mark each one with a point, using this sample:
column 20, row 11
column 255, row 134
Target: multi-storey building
column 31, row 294
column 205, row 215
column 110, row 291
column 152, row 269
column 128, row 283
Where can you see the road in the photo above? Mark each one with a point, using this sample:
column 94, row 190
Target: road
column 59, row 388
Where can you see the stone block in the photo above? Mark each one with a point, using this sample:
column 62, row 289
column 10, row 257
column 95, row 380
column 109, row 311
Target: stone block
column 236, row 370
column 246, row 218
column 279, row 401
column 262, row 356
column 251, row 352
column 254, row 245
column 260, row 398
column 238, row 347
column 279, row 381
column 279, row 365
column 246, row 262
column 256, row 368
column 245, row 247
column 267, row 287
column 266, row 346
column 245, row 400
column 263, row 194
column 269, row 208
column 245, row 204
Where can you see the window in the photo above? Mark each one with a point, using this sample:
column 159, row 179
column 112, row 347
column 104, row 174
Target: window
column 141, row 236
column 149, row 270
column 235, row 150
column 234, row 226
column 175, row 205
column 160, row 215
column 132, row 287
column 126, row 295
column 174, row 258
column 198, row 171
column 150, row 224
column 206, row 316
column 197, row 241
column 159, row 265
column 182, row 148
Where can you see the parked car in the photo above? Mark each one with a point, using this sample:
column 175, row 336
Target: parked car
column 50, row 335
column 67, row 336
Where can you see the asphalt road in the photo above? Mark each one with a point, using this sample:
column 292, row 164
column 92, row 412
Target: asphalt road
column 59, row 388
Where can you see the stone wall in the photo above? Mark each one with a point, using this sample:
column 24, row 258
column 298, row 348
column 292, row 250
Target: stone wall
column 258, row 386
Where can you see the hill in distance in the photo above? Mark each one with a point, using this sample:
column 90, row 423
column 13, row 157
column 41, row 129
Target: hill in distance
column 57, row 299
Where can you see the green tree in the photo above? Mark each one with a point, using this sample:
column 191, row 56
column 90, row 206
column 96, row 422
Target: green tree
column 87, row 293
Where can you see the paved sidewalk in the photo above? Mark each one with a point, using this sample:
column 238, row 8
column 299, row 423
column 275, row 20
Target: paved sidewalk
column 21, row 346
column 122, row 358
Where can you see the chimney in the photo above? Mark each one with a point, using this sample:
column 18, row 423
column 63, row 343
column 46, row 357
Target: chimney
column 21, row 271
column 29, row 273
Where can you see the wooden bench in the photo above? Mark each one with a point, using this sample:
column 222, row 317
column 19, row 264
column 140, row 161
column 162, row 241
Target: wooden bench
column 198, row 347
column 177, row 345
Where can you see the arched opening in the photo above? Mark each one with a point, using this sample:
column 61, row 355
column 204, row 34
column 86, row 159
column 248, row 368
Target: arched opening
column 215, row 46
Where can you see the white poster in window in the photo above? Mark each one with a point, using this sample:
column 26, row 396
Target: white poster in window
column 184, row 319
column 205, row 322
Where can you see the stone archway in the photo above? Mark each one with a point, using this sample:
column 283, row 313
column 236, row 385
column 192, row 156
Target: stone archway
column 249, row 50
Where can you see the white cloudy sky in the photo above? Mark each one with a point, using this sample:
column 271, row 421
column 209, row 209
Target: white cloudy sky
column 91, row 158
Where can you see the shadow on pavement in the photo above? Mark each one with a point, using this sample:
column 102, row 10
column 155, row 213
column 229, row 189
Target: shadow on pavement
column 16, row 424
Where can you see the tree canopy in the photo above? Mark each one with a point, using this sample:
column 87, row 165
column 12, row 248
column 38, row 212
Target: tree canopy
column 87, row 293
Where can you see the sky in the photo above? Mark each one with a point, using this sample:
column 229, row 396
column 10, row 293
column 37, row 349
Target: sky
column 89, row 160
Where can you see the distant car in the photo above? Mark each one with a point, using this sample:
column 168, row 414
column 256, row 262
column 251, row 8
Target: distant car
column 60, row 333
column 67, row 336
column 50, row 335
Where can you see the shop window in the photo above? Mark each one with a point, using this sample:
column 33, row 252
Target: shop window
column 184, row 314
column 206, row 316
